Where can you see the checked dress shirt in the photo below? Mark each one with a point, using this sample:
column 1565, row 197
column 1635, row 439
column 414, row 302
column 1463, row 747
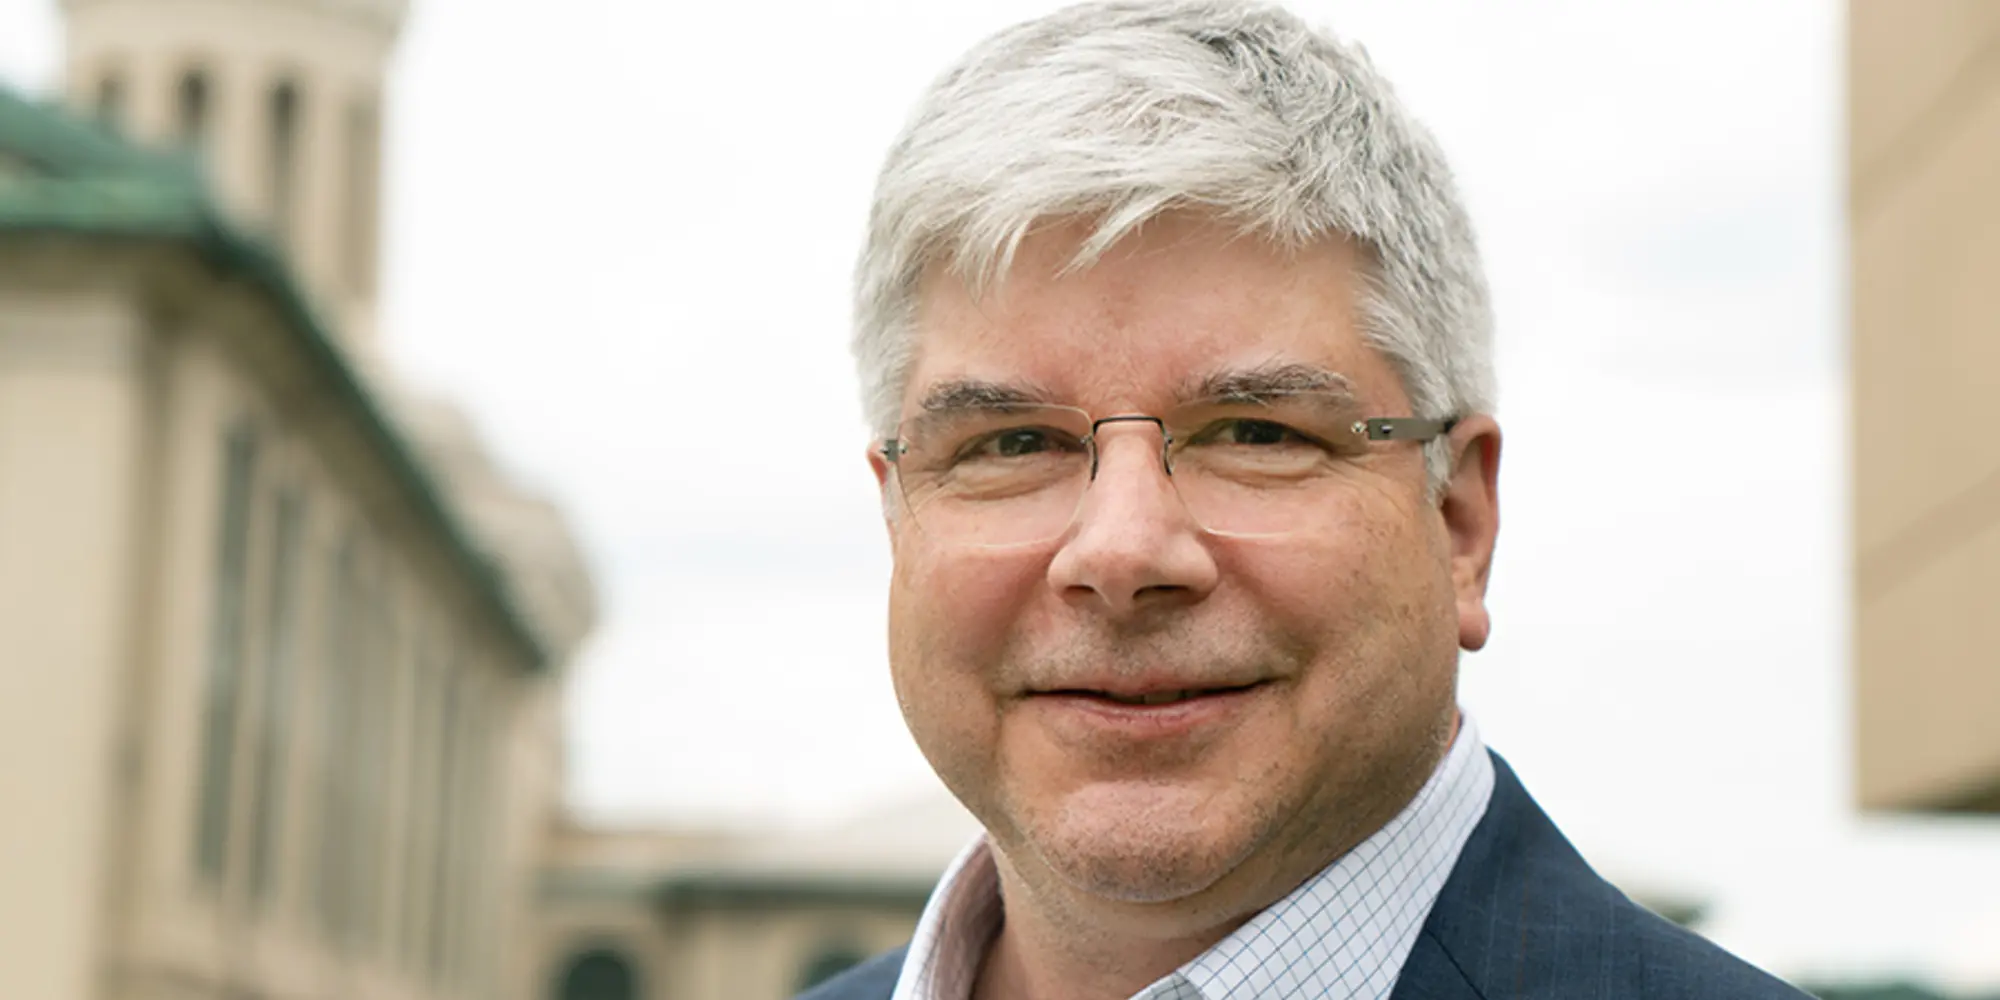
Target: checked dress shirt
column 1344, row 933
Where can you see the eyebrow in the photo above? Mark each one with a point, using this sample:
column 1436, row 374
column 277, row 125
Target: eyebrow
column 980, row 394
column 1266, row 381
column 1240, row 384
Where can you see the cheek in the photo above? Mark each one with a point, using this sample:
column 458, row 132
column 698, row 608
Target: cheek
column 955, row 611
column 952, row 618
column 951, row 622
column 1330, row 584
column 1371, row 605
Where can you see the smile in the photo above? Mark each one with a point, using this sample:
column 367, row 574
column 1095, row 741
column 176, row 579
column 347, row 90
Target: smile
column 1090, row 716
column 1165, row 697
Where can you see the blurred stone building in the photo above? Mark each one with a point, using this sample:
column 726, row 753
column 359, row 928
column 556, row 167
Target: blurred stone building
column 285, row 651
column 1923, row 160
column 279, row 701
column 658, row 915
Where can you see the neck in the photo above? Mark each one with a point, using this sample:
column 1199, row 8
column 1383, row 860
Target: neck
column 1059, row 960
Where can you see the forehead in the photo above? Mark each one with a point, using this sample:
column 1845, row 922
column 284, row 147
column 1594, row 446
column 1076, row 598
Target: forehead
column 1175, row 306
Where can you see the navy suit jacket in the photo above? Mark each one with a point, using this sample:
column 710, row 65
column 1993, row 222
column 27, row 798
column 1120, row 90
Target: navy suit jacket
column 1522, row 917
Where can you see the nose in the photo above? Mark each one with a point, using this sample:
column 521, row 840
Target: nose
column 1133, row 546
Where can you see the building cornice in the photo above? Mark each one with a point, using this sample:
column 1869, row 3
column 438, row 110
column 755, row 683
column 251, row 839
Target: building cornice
column 385, row 16
column 69, row 178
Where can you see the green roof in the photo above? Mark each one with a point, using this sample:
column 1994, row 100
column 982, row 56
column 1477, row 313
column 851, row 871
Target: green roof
column 724, row 889
column 61, row 175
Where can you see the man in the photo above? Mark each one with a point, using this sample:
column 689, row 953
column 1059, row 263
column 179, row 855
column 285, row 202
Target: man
column 1174, row 338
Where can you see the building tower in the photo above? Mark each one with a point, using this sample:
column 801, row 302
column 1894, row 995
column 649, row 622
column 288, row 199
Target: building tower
column 281, row 99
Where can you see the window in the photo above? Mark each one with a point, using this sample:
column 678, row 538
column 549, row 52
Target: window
column 420, row 812
column 281, row 159
column 374, row 689
column 274, row 718
column 474, row 849
column 110, row 100
column 599, row 973
column 445, row 828
column 223, row 682
column 362, row 211
column 332, row 887
column 191, row 111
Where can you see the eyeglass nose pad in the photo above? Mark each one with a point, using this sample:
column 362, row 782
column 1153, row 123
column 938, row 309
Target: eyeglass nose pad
column 1166, row 440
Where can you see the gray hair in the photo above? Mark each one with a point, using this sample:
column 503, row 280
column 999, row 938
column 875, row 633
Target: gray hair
column 1120, row 111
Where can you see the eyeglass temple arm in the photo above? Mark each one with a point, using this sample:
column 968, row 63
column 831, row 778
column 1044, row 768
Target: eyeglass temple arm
column 1405, row 428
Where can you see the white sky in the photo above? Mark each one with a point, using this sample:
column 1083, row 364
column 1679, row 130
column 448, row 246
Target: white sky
column 620, row 233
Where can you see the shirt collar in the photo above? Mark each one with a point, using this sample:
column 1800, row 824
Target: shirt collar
column 1345, row 932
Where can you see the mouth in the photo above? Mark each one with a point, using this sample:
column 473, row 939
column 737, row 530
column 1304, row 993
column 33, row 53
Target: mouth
column 1152, row 697
column 1155, row 713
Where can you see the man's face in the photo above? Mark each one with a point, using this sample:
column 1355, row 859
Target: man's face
column 1330, row 654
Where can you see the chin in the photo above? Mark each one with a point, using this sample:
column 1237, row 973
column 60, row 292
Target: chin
column 1143, row 844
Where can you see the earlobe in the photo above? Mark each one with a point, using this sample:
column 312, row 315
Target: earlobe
column 1474, row 625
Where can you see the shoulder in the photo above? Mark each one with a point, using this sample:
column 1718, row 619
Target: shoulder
column 1674, row 962
column 1590, row 941
column 874, row 979
column 1523, row 916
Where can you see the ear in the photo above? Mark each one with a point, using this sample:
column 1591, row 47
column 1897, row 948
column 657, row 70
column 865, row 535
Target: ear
column 879, row 464
column 1471, row 508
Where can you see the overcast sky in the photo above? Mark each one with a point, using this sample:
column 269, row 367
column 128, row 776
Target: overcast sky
column 620, row 233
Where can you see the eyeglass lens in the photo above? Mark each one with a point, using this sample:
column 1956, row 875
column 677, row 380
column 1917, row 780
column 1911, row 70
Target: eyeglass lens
column 1015, row 475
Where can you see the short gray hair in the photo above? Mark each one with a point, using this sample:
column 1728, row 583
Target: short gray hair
column 1120, row 111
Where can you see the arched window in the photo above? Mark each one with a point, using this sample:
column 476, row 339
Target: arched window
column 831, row 960
column 223, row 684
column 110, row 100
column 446, row 865
column 420, row 809
column 597, row 974
column 191, row 110
column 281, row 158
column 279, row 664
column 333, row 873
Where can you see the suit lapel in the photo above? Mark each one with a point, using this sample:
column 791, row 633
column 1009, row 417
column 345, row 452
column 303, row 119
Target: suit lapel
column 1521, row 911
column 874, row 979
column 1430, row 974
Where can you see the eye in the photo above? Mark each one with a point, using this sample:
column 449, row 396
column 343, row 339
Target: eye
column 1017, row 442
column 1245, row 431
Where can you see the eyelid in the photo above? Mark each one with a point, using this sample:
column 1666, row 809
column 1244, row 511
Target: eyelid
column 1334, row 406
column 1057, row 435
column 1186, row 436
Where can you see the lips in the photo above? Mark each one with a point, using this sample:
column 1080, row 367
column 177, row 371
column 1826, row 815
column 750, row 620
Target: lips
column 1114, row 717
column 1150, row 696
